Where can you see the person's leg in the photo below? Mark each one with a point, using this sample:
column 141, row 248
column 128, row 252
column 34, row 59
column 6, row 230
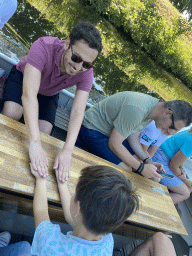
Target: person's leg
column 18, row 249
column 96, row 143
column 5, row 238
column 179, row 193
column 45, row 126
column 157, row 245
column 47, row 111
column 12, row 93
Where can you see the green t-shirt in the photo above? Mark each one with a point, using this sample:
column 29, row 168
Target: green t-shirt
column 126, row 111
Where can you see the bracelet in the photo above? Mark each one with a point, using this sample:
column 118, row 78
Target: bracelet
column 140, row 169
column 148, row 158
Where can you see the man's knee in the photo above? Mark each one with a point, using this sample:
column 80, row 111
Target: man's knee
column 12, row 110
column 45, row 126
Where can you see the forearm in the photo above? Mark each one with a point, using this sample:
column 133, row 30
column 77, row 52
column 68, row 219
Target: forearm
column 75, row 122
column 65, row 197
column 40, row 205
column 31, row 110
column 120, row 151
column 137, row 147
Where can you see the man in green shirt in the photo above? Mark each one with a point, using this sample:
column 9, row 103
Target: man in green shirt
column 108, row 123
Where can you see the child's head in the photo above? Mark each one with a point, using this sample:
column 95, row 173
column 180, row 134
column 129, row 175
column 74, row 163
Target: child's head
column 106, row 198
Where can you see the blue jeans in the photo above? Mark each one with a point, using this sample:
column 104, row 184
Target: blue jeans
column 96, row 143
column 18, row 249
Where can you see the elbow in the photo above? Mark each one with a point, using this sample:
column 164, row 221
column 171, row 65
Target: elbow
column 112, row 145
column 172, row 167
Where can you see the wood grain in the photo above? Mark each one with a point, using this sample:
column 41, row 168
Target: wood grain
column 156, row 211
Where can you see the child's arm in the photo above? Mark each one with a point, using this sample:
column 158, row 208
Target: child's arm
column 65, row 197
column 40, row 205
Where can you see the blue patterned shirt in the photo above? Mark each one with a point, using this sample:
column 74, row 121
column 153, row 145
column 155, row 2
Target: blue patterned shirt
column 49, row 241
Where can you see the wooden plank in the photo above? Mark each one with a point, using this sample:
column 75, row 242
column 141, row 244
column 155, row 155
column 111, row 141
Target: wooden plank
column 156, row 211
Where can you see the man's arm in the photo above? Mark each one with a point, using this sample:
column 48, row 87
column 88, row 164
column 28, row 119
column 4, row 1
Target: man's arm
column 65, row 197
column 31, row 84
column 116, row 146
column 40, row 205
column 137, row 148
column 63, row 160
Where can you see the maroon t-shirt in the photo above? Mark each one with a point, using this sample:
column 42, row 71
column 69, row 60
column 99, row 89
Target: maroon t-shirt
column 45, row 55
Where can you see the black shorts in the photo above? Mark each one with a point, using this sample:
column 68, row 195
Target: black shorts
column 13, row 91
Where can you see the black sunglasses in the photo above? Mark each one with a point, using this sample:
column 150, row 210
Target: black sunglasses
column 77, row 59
column 173, row 124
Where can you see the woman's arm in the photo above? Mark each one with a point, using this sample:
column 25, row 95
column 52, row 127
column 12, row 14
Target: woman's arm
column 63, row 160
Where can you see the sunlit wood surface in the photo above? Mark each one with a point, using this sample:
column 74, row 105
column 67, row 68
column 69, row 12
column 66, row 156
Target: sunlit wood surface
column 156, row 211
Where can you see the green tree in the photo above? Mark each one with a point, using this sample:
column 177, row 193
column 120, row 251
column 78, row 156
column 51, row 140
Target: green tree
column 184, row 5
column 31, row 24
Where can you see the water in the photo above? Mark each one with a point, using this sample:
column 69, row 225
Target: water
column 28, row 24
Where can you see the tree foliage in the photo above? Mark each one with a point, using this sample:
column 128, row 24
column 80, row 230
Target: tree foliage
column 31, row 24
column 134, row 62
column 150, row 31
column 184, row 5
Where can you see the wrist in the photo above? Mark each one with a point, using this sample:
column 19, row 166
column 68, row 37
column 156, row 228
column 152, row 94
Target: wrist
column 140, row 168
column 37, row 140
column 148, row 161
column 67, row 149
column 41, row 180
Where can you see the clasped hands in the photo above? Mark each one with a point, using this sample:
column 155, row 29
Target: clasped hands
column 39, row 162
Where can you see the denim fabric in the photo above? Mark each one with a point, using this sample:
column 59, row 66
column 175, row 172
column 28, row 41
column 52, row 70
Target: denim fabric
column 161, row 157
column 18, row 249
column 97, row 143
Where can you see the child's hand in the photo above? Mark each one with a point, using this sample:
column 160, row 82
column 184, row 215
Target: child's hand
column 35, row 173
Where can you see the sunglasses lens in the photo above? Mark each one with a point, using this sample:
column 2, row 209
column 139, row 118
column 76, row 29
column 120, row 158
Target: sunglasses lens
column 75, row 58
column 87, row 65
